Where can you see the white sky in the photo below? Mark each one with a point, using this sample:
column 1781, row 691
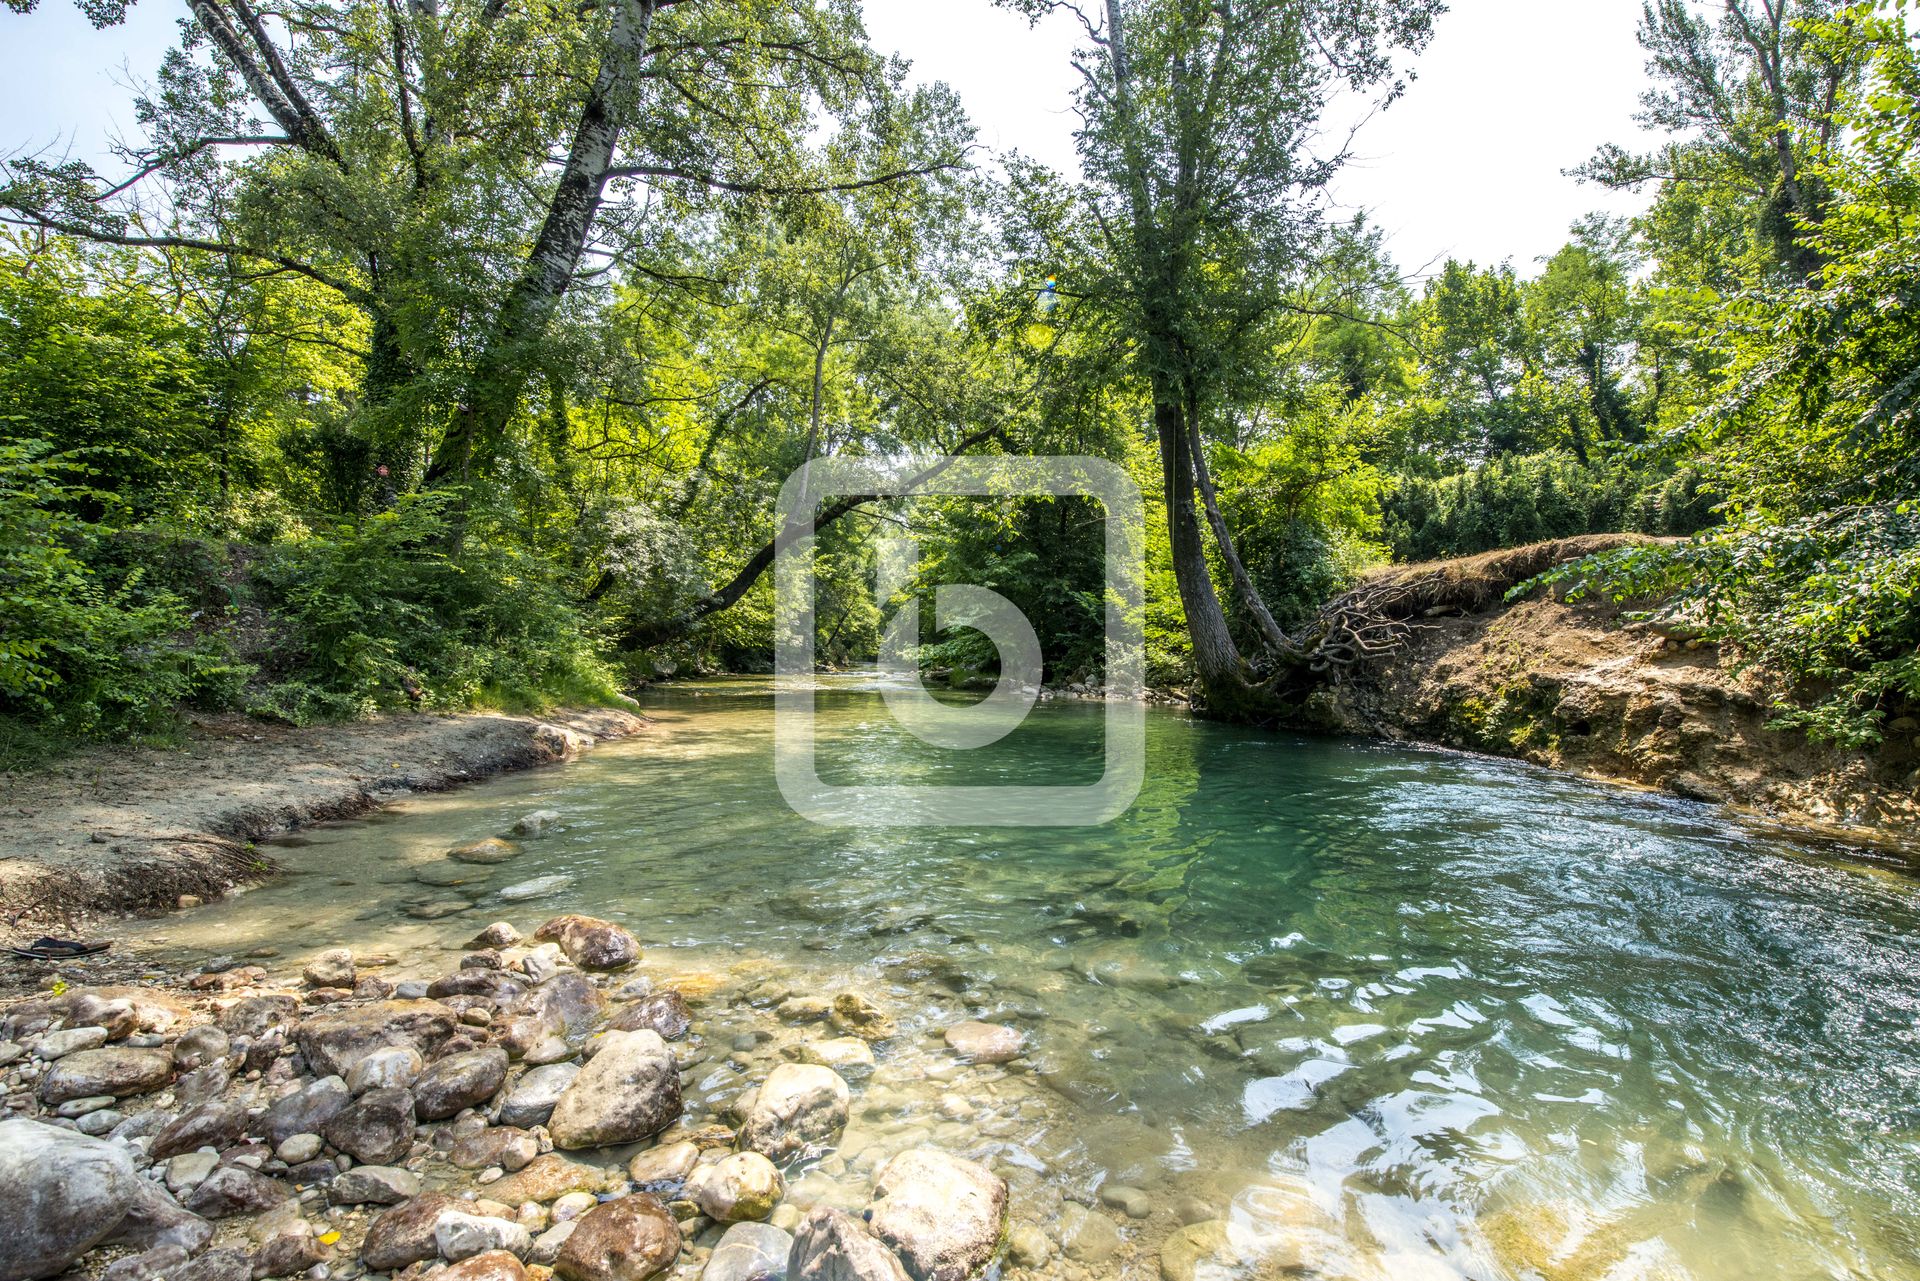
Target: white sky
column 1468, row 164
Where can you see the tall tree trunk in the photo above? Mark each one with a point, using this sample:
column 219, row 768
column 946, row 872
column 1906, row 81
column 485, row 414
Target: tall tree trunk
column 1224, row 676
column 505, row 362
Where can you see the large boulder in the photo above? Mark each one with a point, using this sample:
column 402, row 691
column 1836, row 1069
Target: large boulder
column 154, row 1010
column 591, row 943
column 628, row 1091
column 60, row 1193
column 942, row 1214
column 403, row 1235
column 115, row 1070
column 335, row 1040
column 631, row 1239
column 750, row 1252
column 798, row 1111
column 832, row 1245
column 737, row 1188
column 376, row 1128
column 457, row 1082
column 154, row 1219
column 566, row 1008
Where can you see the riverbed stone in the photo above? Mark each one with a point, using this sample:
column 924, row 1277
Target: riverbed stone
column 1182, row 1253
column 116, row 1070
column 228, row 1263
column 254, row 1016
column 488, row 851
column 1087, row 1236
column 547, row 1178
column 628, row 1091
column 459, row 1081
column 336, row 1039
column 305, row 1111
column 591, row 943
column 664, row 1012
column 832, row 1245
column 505, row 1146
column 458, row 1235
column 490, row 1265
column 630, row 1239
column 57, row 1045
column 154, row 1009
column 737, row 1188
column 403, row 1235
column 331, row 968
column 798, row 1110
column 803, row 1009
column 373, row 1185
column 538, row 887
column 376, row 1128
column 942, row 1214
column 60, row 1193
column 154, row 1219
column 848, row 1055
column 855, row 1015
column 219, row 1123
column 532, row 1099
column 750, row 1252
column 1028, row 1246
column 538, row 823
column 1130, row 1201
column 234, row 1189
column 391, row 1067
column 297, row 1149
column 190, row 1169
column 289, row 1249
column 665, row 1167
column 200, row 1046
column 985, row 1042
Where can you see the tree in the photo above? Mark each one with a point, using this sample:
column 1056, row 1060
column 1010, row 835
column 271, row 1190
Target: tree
column 1196, row 144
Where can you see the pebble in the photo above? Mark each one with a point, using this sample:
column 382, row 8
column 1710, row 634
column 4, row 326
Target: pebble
column 299, row 1148
column 1134, row 1203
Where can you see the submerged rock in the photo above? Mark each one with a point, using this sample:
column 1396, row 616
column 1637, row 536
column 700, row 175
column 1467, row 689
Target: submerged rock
column 538, row 887
column 663, row 1012
column 60, row 1193
column 855, row 1015
column 943, row 1215
column 488, row 851
column 750, row 1252
column 631, row 1239
column 737, row 1188
column 847, row 1055
column 832, row 1245
column 985, row 1042
column 800, row 1109
column 630, row 1090
column 538, row 823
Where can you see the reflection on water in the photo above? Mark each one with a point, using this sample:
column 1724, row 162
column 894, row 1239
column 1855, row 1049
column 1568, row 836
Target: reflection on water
column 1390, row 1013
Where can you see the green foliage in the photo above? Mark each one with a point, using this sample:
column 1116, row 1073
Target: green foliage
column 393, row 610
column 1512, row 501
column 85, row 653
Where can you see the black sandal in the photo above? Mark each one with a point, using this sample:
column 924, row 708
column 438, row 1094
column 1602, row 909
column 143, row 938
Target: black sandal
column 48, row 948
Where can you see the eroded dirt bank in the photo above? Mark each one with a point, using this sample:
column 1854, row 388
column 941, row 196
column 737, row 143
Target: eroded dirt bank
column 1579, row 687
column 120, row 830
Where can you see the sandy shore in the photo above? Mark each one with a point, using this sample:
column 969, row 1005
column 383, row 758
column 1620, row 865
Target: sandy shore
column 118, row 830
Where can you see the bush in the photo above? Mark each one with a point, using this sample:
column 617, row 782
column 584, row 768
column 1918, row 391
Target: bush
column 1513, row 501
column 400, row 609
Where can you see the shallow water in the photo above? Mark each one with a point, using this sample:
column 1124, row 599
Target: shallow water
column 1392, row 1013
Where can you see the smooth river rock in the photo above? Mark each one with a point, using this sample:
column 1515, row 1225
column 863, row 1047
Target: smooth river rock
column 631, row 1239
column 832, row 1245
column 942, row 1214
column 591, row 943
column 457, row 1082
column 799, row 1110
column 532, row 1099
column 985, row 1042
column 403, row 1235
column 304, row 1111
column 750, row 1252
column 488, row 851
column 628, row 1091
column 376, row 1128
column 115, row 1070
column 335, row 1040
column 60, row 1193
column 737, row 1188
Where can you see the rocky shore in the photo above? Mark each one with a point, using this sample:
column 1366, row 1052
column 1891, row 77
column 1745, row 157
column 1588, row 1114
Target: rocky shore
column 550, row 1105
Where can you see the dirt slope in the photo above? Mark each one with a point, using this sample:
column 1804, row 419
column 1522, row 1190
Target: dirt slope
column 119, row 829
column 1575, row 687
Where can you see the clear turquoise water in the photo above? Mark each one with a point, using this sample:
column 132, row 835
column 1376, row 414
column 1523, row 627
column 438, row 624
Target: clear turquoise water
column 1415, row 1014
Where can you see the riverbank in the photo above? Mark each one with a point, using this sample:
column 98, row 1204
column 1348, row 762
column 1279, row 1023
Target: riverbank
column 119, row 830
column 1578, row 687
